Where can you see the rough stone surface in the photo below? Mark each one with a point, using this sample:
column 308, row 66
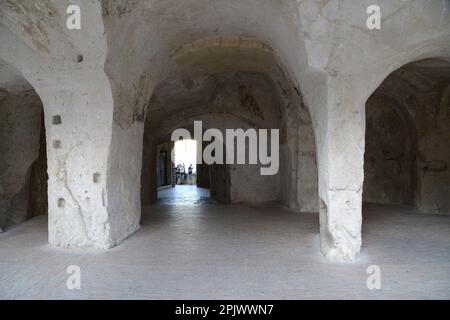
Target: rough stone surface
column 100, row 81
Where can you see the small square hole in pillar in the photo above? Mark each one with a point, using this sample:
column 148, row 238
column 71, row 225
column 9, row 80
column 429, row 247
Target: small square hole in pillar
column 61, row 203
column 96, row 177
column 56, row 119
column 57, row 144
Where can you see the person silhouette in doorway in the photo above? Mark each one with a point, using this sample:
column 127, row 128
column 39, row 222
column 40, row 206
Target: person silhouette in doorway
column 190, row 170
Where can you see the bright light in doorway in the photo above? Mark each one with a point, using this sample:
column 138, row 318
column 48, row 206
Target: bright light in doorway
column 186, row 153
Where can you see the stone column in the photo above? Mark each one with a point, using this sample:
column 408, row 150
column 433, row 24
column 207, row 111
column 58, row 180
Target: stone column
column 78, row 121
column 340, row 137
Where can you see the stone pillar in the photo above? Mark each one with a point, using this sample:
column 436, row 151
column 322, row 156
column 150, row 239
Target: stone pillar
column 94, row 158
column 78, row 120
column 340, row 137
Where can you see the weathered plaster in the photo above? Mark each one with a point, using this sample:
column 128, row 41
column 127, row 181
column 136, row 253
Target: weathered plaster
column 329, row 58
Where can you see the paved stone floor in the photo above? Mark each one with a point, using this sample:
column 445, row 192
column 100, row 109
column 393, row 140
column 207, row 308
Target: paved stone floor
column 194, row 252
column 184, row 195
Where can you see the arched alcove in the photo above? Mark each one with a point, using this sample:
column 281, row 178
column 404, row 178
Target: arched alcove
column 408, row 131
column 23, row 154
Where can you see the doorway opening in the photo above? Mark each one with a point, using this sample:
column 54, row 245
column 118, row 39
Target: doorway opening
column 177, row 175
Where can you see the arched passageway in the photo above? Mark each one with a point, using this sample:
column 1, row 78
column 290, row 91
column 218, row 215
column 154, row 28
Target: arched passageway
column 231, row 83
column 407, row 137
column 23, row 154
column 177, row 37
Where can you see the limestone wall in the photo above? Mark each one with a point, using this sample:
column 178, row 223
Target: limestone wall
column 100, row 81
